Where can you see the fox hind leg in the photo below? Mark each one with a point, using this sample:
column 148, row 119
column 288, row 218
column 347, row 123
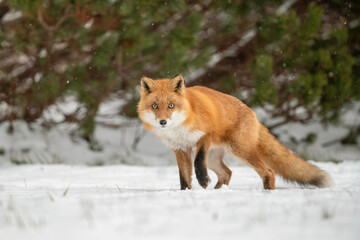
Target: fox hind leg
column 251, row 157
column 266, row 173
column 215, row 163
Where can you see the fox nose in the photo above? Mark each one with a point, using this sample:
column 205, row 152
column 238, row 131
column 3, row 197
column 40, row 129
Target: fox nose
column 163, row 122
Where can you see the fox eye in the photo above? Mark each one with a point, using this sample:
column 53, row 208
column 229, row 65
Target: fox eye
column 171, row 105
column 155, row 106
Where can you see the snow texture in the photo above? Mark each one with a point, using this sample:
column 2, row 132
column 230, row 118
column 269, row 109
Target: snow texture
column 133, row 202
column 142, row 200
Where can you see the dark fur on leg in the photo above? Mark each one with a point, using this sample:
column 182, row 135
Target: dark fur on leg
column 200, row 168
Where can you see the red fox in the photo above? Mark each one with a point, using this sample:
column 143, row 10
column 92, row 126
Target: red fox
column 215, row 123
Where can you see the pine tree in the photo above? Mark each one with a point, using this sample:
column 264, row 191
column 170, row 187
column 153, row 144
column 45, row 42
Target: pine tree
column 305, row 57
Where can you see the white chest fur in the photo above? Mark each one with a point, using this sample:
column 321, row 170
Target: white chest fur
column 174, row 135
column 179, row 138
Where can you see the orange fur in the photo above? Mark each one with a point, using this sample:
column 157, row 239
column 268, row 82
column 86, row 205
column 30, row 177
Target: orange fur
column 215, row 123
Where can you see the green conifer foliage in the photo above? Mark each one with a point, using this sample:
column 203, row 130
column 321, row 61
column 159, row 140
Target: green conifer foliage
column 305, row 57
column 313, row 71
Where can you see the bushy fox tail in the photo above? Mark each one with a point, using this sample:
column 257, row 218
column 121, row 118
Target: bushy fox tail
column 288, row 164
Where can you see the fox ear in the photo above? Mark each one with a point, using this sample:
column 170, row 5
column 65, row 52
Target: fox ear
column 147, row 85
column 177, row 83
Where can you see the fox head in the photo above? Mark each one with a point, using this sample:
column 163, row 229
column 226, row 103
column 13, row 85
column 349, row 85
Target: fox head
column 162, row 102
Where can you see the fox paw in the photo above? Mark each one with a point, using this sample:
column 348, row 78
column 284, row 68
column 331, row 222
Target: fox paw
column 203, row 180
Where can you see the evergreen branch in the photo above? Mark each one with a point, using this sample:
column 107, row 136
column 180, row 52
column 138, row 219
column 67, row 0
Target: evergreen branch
column 67, row 15
column 231, row 50
column 133, row 61
column 41, row 21
column 52, row 29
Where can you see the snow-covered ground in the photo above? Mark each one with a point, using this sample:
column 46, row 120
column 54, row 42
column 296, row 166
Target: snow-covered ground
column 59, row 192
column 134, row 202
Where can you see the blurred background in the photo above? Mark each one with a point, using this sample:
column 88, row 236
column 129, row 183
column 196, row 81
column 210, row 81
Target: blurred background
column 70, row 71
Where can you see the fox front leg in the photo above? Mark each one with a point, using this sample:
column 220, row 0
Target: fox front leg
column 200, row 162
column 185, row 168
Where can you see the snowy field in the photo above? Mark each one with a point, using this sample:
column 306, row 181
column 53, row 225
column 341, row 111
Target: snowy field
column 133, row 202
column 64, row 190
